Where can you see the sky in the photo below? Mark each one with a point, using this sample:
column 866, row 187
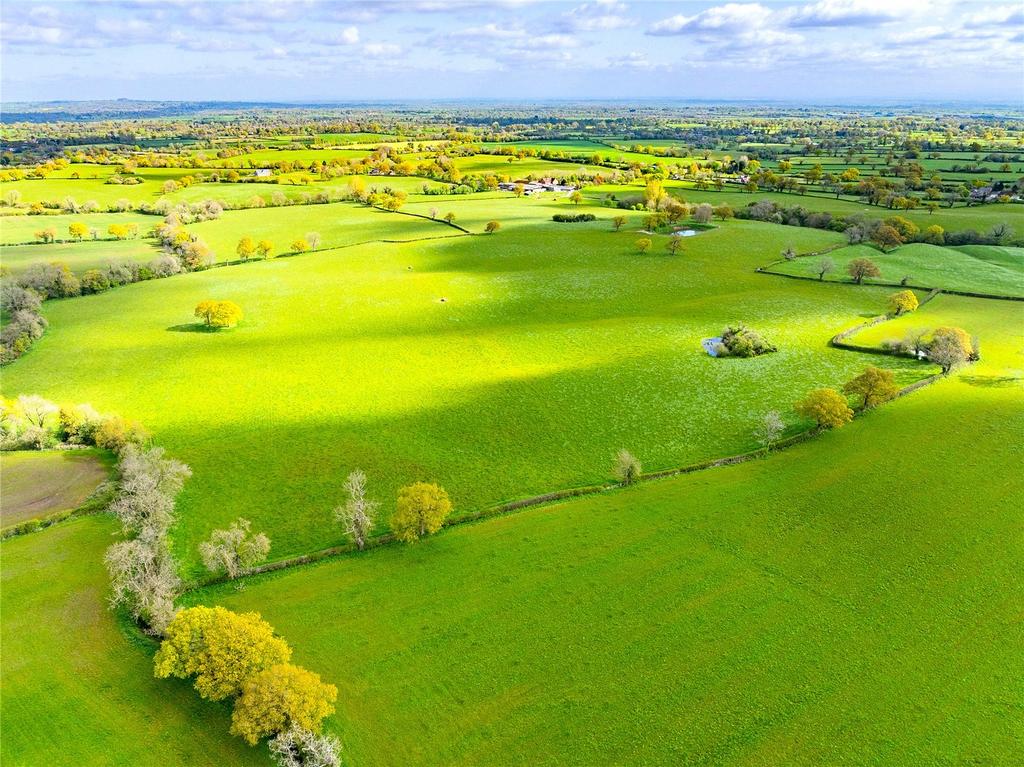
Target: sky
column 826, row 51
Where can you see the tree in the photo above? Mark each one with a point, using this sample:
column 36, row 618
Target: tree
column 264, row 248
column 46, row 235
column 643, row 244
column 421, row 510
column 769, row 429
column 722, row 212
column 299, row 246
column 902, row 302
column 246, row 248
column 358, row 514
column 789, row 253
column 859, row 268
column 280, row 698
column 934, row 235
column 517, row 190
column 449, row 217
column 827, row 407
column 492, row 226
column 221, row 649
column 627, row 468
column 886, row 237
column 576, row 197
column 950, row 348
column 618, row 222
column 118, row 231
column 301, row 748
column 218, row 314
column 702, row 213
column 825, row 266
column 874, row 386
column 313, row 238
column 675, row 242
column 233, row 550
column 78, row 230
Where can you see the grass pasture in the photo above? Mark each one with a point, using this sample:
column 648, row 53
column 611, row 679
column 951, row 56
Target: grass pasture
column 79, row 256
column 77, row 690
column 34, row 484
column 799, row 610
column 554, row 347
column 21, row 229
column 978, row 269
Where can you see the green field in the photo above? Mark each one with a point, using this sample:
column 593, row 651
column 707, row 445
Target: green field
column 800, row 610
column 77, row 690
column 977, row 269
column 79, row 256
column 555, row 346
column 22, row 229
column 851, row 599
column 34, row 484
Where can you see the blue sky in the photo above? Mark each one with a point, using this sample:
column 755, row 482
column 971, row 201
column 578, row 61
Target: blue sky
column 834, row 51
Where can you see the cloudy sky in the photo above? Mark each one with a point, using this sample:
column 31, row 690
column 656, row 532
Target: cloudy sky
column 288, row 50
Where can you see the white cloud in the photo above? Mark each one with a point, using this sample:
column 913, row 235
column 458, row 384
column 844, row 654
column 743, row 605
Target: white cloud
column 379, row 50
column 856, row 13
column 731, row 17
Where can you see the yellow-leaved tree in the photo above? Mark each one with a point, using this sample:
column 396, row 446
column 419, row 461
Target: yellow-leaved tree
column 282, row 697
column 246, row 248
column 220, row 648
column 874, row 386
column 421, row 510
column 218, row 314
column 78, row 230
column 827, row 407
column 903, row 302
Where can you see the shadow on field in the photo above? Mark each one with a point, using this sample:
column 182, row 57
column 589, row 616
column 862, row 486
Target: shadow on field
column 993, row 382
column 193, row 327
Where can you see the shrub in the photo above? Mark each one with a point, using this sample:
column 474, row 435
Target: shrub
column 301, row 748
column 281, row 698
column 627, row 468
column 741, row 341
column 573, row 218
column 421, row 510
column 219, row 648
column 94, row 281
column 117, row 434
column 53, row 280
column 643, row 244
column 234, row 550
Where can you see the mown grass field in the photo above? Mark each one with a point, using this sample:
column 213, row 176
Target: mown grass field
column 821, row 606
column 979, row 269
column 555, row 346
column 34, row 484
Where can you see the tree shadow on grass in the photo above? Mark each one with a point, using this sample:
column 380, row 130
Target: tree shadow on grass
column 193, row 327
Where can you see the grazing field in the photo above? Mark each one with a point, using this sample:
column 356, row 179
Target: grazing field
column 338, row 224
column 21, row 229
column 555, row 346
column 34, row 484
column 799, row 610
column 77, row 689
column 980, row 269
column 998, row 325
column 79, row 256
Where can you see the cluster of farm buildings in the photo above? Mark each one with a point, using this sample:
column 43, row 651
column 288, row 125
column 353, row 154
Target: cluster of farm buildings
column 535, row 187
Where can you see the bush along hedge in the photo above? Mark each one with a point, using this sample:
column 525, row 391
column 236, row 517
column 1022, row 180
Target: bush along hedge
column 573, row 218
